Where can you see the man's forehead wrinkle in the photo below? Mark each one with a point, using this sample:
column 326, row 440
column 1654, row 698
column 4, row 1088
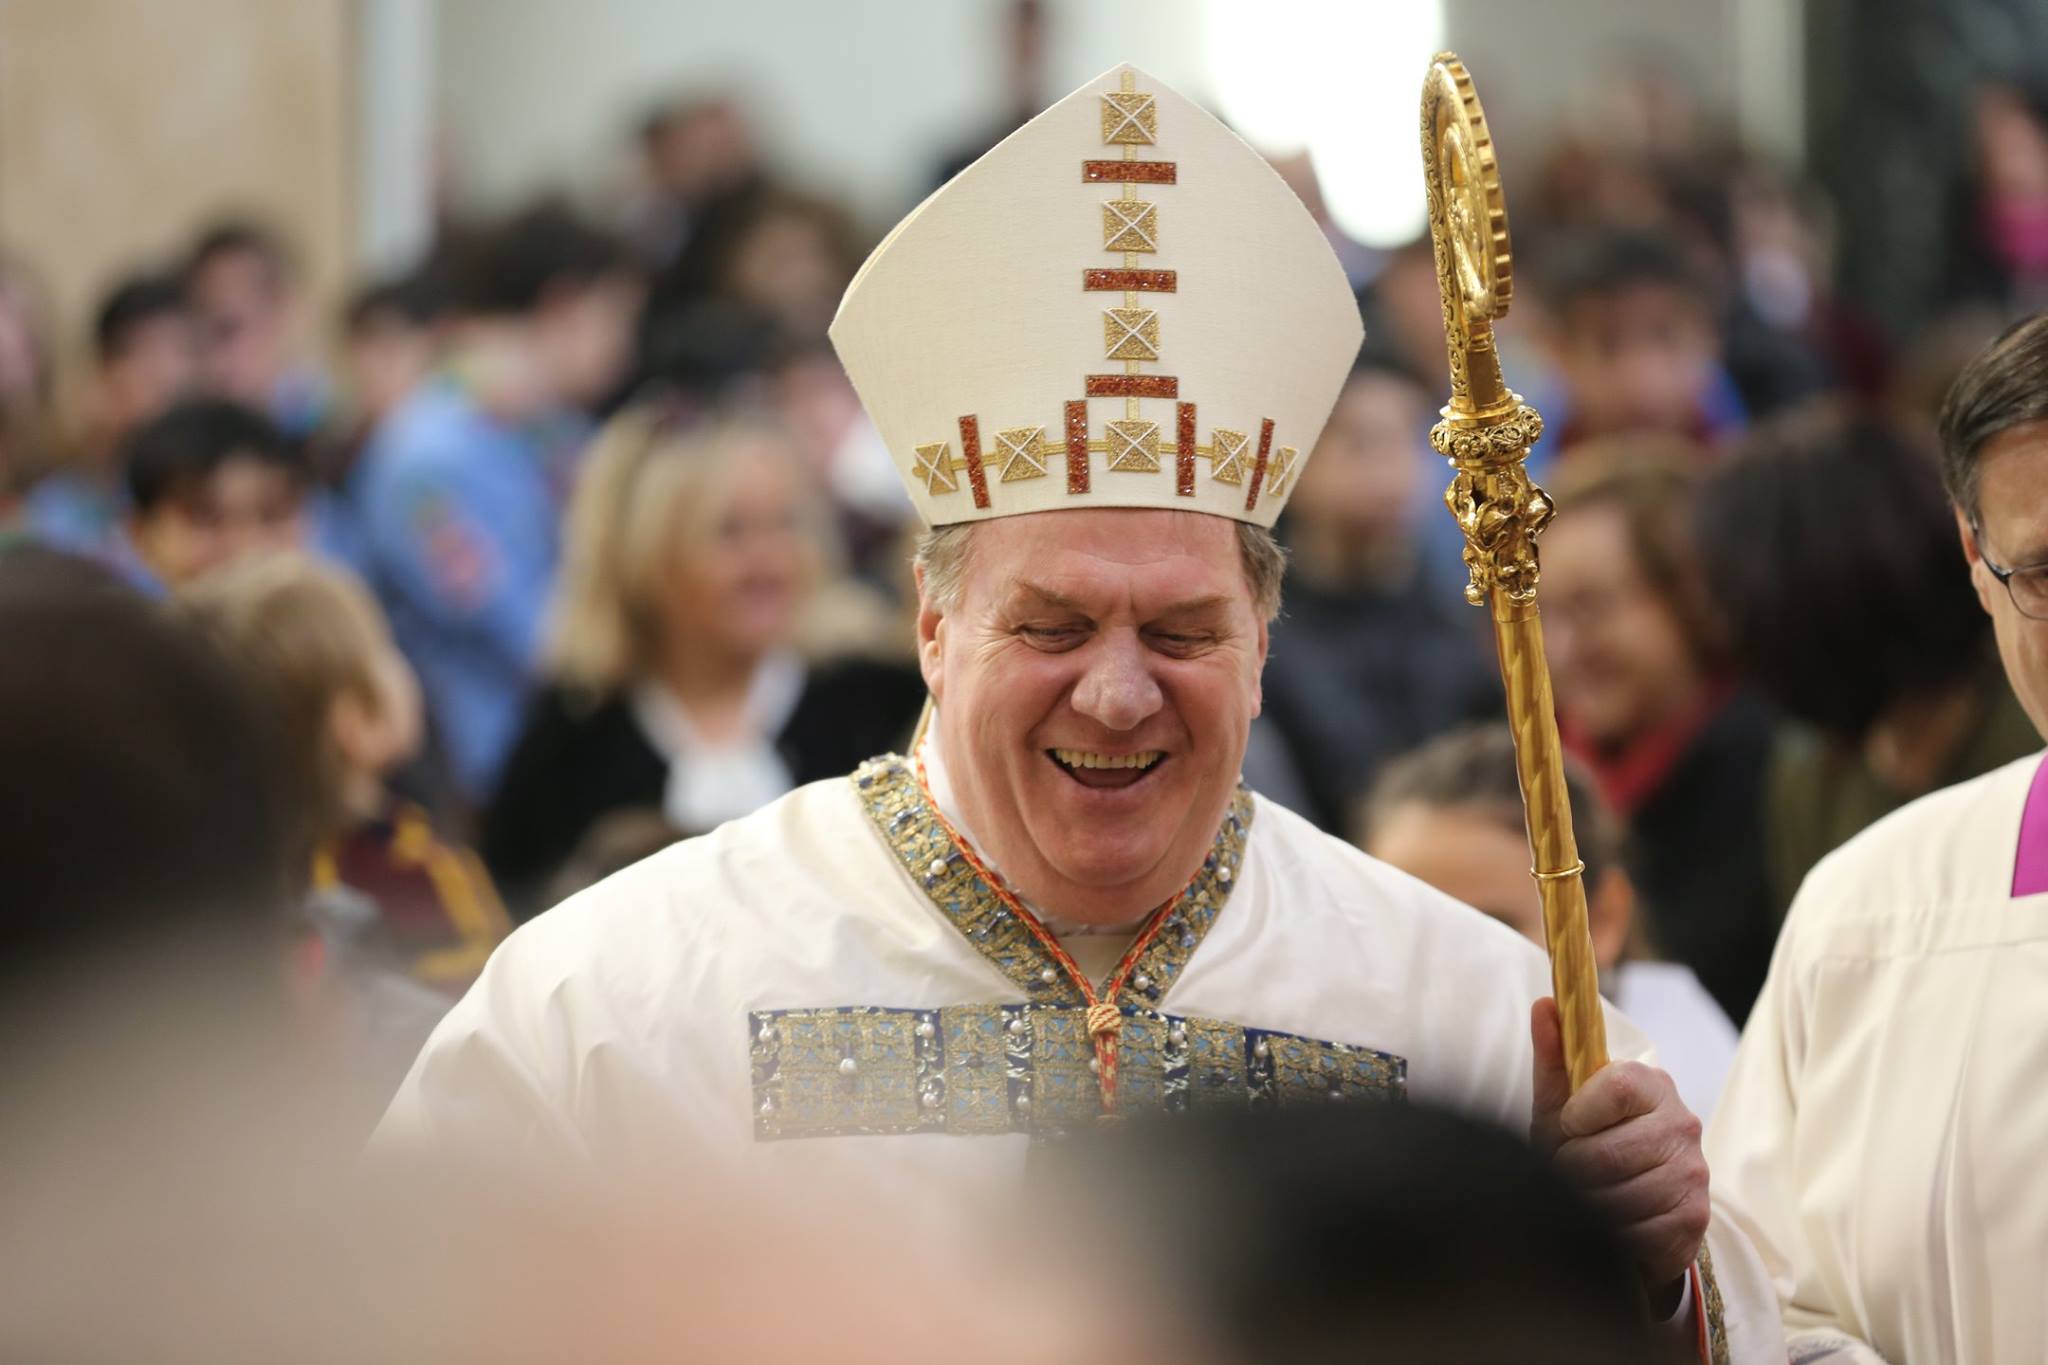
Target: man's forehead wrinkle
column 1124, row 596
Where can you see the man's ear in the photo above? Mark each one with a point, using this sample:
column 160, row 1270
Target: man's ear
column 930, row 647
column 1973, row 555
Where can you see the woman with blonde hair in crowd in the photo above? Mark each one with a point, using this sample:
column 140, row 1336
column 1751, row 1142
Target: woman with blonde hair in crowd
column 674, row 680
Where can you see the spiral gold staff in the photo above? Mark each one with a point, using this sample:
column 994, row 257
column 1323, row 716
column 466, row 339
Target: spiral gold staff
column 1485, row 434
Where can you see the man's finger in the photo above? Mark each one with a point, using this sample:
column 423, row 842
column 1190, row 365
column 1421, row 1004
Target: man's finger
column 1618, row 1092
column 1625, row 1150
column 1552, row 1081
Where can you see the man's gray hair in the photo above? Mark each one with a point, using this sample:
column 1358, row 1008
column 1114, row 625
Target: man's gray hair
column 943, row 551
column 2004, row 386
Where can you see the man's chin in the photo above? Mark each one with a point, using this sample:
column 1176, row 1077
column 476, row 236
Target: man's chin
column 1103, row 855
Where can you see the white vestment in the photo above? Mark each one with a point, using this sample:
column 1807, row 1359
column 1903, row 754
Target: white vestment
column 1881, row 1136
column 828, row 980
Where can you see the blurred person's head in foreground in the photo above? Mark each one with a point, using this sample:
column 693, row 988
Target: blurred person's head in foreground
column 1832, row 555
column 145, row 801
column 146, row 344
column 1633, row 642
column 1450, row 813
column 312, row 640
column 690, row 546
column 1633, row 334
column 542, row 308
column 1368, row 1232
column 1354, row 517
column 1994, row 439
column 209, row 481
column 244, row 286
column 391, row 337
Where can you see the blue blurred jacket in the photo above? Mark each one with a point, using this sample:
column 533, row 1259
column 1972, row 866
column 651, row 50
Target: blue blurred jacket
column 458, row 521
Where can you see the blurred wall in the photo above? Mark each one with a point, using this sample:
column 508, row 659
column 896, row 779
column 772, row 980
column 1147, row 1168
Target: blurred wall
column 860, row 99
column 857, row 99
column 125, row 123
column 1540, row 65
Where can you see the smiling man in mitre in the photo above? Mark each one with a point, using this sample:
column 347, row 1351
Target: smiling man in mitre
column 1100, row 356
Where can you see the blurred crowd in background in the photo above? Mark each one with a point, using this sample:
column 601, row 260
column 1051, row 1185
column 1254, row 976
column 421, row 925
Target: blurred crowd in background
column 573, row 540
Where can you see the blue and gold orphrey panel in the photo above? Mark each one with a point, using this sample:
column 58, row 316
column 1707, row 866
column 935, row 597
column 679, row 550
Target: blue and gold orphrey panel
column 1028, row 1068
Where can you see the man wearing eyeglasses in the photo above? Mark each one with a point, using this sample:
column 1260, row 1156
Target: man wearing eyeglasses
column 1883, row 1138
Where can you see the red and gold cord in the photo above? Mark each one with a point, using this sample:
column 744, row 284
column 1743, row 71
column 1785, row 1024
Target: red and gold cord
column 1105, row 1020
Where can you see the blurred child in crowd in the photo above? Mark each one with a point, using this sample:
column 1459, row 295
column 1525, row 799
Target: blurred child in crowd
column 146, row 347
column 461, row 487
column 1635, row 342
column 391, row 340
column 1647, row 699
column 674, row 678
column 1372, row 655
column 209, row 482
column 313, row 642
column 245, row 290
column 1834, row 558
column 1450, row 813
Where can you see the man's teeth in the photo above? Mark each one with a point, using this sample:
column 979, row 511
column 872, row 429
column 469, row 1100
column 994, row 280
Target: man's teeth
column 1080, row 758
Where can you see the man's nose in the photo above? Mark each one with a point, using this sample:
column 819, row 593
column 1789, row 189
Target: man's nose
column 1118, row 688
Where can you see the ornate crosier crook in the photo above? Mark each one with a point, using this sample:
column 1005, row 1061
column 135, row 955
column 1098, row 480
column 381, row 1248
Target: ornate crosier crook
column 1485, row 434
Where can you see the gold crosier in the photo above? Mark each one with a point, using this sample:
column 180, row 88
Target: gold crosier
column 1485, row 434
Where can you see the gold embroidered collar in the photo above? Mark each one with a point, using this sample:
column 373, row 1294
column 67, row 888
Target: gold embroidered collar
column 910, row 825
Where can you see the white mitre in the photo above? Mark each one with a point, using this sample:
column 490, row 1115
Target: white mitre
column 1121, row 305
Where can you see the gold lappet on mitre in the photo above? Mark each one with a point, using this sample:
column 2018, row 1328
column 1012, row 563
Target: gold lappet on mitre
column 1121, row 305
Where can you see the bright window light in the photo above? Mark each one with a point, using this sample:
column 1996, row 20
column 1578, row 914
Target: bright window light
column 1342, row 80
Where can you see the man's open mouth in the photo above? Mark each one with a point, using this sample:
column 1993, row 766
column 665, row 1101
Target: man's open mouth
column 1101, row 770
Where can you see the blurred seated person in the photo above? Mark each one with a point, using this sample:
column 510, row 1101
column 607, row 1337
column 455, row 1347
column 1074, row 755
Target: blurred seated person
column 779, row 254
column 391, row 341
column 1647, row 699
column 694, row 152
column 1372, row 656
column 672, row 678
column 146, row 357
column 1633, row 334
column 1834, row 558
column 812, row 396
column 247, row 294
column 1450, row 813
column 1998, row 225
column 311, row 639
column 209, row 482
column 460, row 489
